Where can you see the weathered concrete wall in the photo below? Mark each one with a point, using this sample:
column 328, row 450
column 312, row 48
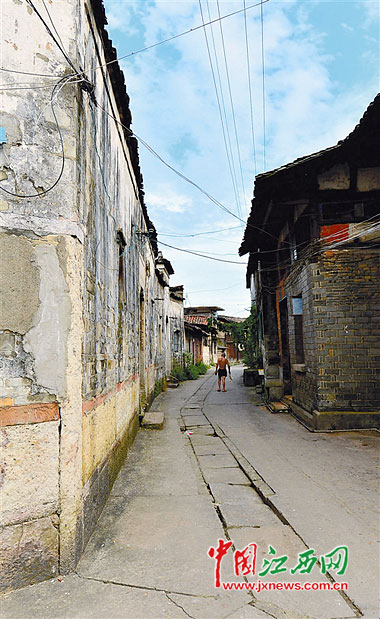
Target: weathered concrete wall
column 84, row 335
column 38, row 308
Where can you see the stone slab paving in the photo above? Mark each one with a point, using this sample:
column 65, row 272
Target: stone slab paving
column 244, row 514
column 235, row 493
column 318, row 604
column 75, row 598
column 195, row 420
column 160, row 542
column 217, row 461
column 324, row 485
column 212, row 449
column 148, row 556
column 219, row 608
column 225, row 475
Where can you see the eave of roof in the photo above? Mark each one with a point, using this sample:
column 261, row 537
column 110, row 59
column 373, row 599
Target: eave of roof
column 122, row 100
column 321, row 153
column 196, row 319
column 371, row 115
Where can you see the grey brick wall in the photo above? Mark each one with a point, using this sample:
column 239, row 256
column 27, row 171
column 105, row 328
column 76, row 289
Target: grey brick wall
column 304, row 384
column 341, row 295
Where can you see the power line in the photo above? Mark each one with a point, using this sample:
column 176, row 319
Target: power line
column 250, row 89
column 206, row 238
column 24, row 88
column 58, row 44
column 214, row 290
column 200, row 233
column 181, row 34
column 231, row 101
column 238, row 199
column 45, row 191
column 185, row 178
column 189, row 251
column 53, row 25
column 224, row 130
column 263, row 81
column 34, row 74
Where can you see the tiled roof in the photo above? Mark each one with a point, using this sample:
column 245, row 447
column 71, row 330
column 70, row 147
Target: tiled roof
column 197, row 320
column 373, row 108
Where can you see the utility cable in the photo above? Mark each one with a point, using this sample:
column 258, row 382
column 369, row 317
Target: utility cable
column 207, row 238
column 231, row 153
column 45, row 191
column 181, row 34
column 200, row 233
column 231, row 102
column 34, row 74
column 11, row 87
column 250, row 90
column 218, row 100
column 139, row 50
column 67, row 58
column 263, row 81
column 215, row 289
column 189, row 251
column 54, row 28
column 185, row 178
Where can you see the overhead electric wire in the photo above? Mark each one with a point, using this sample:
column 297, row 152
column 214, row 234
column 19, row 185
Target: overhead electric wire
column 208, row 238
column 189, row 251
column 45, row 191
column 323, row 244
column 218, row 100
column 263, row 82
column 181, row 34
column 214, row 290
column 184, row 177
column 70, row 80
column 11, row 87
column 250, row 90
column 58, row 44
column 231, row 153
column 231, row 102
column 200, row 233
column 53, row 26
column 34, row 74
column 176, row 36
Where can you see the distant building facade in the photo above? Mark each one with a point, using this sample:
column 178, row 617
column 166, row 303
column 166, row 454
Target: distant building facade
column 89, row 323
column 226, row 342
column 201, row 333
column 314, row 273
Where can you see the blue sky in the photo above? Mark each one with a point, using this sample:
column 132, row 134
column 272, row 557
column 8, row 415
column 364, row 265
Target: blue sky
column 321, row 70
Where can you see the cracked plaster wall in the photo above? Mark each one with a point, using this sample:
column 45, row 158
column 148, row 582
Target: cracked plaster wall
column 37, row 348
column 80, row 334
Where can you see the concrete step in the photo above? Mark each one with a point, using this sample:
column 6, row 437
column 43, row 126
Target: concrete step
column 154, row 420
column 278, row 407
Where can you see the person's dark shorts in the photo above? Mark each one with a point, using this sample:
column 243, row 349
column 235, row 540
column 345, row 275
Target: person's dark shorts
column 222, row 373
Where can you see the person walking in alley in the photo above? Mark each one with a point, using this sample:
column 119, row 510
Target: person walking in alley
column 221, row 370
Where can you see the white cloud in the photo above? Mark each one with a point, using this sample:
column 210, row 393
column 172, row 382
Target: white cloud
column 371, row 10
column 347, row 27
column 172, row 96
column 167, row 200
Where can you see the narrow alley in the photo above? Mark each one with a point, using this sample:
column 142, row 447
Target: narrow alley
column 224, row 468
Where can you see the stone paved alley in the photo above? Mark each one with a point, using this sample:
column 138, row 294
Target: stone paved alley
column 243, row 474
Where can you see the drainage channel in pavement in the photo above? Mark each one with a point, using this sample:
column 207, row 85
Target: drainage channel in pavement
column 241, row 497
